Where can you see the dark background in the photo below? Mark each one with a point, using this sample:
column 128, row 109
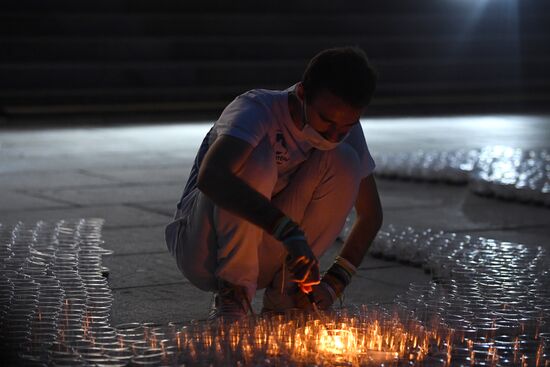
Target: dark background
column 185, row 58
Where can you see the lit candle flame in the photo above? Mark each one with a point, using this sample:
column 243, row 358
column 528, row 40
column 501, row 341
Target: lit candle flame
column 337, row 341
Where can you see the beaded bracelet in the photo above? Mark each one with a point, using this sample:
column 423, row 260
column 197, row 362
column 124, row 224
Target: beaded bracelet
column 348, row 266
column 280, row 226
column 340, row 274
column 335, row 283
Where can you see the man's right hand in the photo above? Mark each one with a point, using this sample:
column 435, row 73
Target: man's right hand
column 302, row 264
column 301, row 261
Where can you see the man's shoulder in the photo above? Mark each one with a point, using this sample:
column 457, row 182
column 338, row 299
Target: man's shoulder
column 263, row 96
column 256, row 104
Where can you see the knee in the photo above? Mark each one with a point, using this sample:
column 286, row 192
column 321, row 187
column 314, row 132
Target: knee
column 195, row 259
column 198, row 271
column 344, row 162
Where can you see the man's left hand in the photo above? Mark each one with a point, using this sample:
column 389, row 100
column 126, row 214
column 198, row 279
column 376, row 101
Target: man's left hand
column 313, row 278
column 322, row 297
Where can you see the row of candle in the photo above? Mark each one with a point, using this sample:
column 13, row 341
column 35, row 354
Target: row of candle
column 489, row 304
column 493, row 295
column 505, row 172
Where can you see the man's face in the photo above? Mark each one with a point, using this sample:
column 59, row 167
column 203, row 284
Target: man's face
column 329, row 114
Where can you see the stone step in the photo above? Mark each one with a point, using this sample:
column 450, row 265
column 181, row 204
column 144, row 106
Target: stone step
column 174, row 74
column 263, row 24
column 460, row 104
column 285, row 6
column 231, row 48
column 216, row 97
column 199, row 93
column 138, row 52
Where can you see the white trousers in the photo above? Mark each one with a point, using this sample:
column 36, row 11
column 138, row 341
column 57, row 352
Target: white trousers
column 210, row 243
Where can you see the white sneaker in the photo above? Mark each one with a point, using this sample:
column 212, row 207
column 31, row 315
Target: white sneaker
column 230, row 303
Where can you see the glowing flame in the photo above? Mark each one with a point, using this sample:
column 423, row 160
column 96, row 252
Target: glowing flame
column 178, row 340
column 337, row 342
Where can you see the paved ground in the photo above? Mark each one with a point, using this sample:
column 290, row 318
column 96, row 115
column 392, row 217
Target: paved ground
column 133, row 175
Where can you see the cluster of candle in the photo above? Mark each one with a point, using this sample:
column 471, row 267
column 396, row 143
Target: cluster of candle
column 53, row 295
column 492, row 296
column 513, row 174
column 489, row 305
column 497, row 170
column 56, row 305
column 362, row 337
column 453, row 166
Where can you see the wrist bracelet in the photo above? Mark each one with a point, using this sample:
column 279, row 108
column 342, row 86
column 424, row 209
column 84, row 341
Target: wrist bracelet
column 340, row 274
column 280, row 226
column 335, row 283
column 344, row 263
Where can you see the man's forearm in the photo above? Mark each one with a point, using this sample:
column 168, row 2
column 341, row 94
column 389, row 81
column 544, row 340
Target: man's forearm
column 232, row 194
column 359, row 240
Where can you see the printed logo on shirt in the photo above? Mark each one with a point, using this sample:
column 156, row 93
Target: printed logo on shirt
column 281, row 150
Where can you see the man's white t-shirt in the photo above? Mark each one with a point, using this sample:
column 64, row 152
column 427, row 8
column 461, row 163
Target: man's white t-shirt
column 262, row 113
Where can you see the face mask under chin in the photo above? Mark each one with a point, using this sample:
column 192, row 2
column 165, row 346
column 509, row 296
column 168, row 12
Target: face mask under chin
column 313, row 137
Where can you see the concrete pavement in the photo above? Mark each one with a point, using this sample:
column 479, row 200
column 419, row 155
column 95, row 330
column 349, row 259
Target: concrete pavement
column 133, row 175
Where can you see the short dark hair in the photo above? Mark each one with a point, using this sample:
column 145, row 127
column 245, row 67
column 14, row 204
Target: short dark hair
column 344, row 71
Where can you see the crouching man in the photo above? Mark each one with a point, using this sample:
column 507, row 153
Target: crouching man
column 270, row 189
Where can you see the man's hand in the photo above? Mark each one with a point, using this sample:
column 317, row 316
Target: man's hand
column 322, row 296
column 335, row 280
column 311, row 278
column 301, row 261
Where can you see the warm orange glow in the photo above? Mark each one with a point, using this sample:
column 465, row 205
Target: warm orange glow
column 178, row 340
column 352, row 340
column 337, row 342
column 153, row 341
